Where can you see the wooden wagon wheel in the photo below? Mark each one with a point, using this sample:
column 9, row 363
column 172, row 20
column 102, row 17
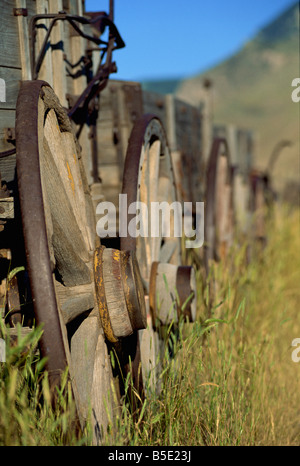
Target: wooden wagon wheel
column 148, row 178
column 219, row 211
column 70, row 274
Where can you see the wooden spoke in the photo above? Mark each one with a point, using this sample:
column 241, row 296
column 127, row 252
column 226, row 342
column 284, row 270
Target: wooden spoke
column 75, row 301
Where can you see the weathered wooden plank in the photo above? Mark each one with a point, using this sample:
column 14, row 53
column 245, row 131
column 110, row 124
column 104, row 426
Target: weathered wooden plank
column 245, row 149
column 7, row 207
column 7, row 168
column 58, row 38
column 241, row 202
column 75, row 44
column 92, row 374
column 24, row 41
column 7, row 120
column 7, row 164
column 9, row 41
column 183, row 126
column 12, row 78
column 46, row 71
column 120, row 106
column 75, row 301
column 229, row 132
column 155, row 103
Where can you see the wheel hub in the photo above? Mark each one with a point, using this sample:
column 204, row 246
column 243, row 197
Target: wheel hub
column 120, row 293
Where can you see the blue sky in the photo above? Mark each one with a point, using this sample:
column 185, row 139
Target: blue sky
column 180, row 38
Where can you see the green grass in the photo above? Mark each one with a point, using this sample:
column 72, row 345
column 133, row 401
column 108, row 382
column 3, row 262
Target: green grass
column 238, row 385
column 233, row 381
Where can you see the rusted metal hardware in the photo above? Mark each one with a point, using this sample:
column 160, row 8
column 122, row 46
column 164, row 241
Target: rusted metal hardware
column 6, row 204
column 14, row 315
column 115, row 40
column 120, row 293
column 98, row 21
column 9, row 136
column 4, row 191
column 20, row 11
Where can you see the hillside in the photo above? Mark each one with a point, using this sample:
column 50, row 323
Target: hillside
column 161, row 86
column 253, row 89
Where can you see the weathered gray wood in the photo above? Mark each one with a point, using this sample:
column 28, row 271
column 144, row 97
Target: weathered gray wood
column 166, row 293
column 241, row 202
column 7, row 207
column 8, row 166
column 9, row 44
column 114, row 292
column 155, row 103
column 150, row 354
column 74, row 187
column 57, row 54
column 207, row 122
column 260, row 210
column 76, row 46
column 12, row 78
column 24, row 42
column 187, row 124
column 120, row 106
column 92, row 374
column 70, row 248
column 46, row 71
column 7, row 120
column 75, row 301
column 224, row 206
column 221, row 198
column 248, row 147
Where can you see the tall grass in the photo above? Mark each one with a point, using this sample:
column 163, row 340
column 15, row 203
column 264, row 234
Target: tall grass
column 238, row 385
column 27, row 414
column 232, row 382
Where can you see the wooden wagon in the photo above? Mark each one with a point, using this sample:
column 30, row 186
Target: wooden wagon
column 71, row 139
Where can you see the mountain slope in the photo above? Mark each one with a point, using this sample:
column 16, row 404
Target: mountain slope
column 253, row 89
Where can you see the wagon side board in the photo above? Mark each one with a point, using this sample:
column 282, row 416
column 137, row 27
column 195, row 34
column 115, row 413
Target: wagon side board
column 67, row 78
